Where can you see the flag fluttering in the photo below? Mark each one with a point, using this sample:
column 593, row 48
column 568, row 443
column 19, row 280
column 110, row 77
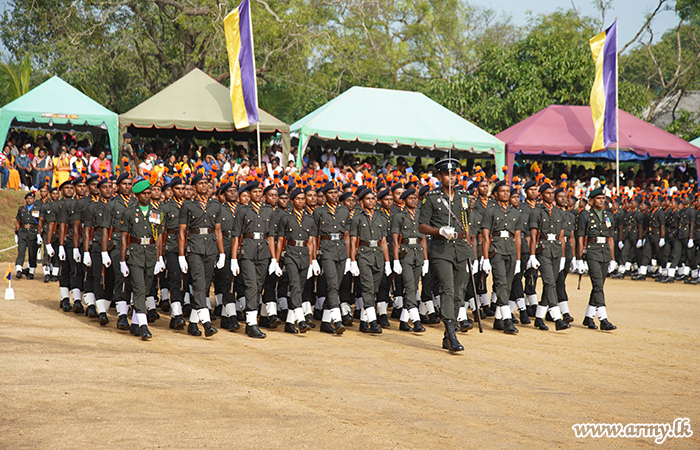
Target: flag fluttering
column 239, row 44
column 604, row 91
column 8, row 274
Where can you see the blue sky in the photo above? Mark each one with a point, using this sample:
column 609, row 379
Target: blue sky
column 630, row 13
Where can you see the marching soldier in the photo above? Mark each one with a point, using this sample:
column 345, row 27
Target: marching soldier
column 656, row 235
column 141, row 239
column 530, row 273
column 199, row 242
column 77, row 220
column 48, row 215
column 368, row 248
column 222, row 277
column 387, row 207
column 517, row 294
column 500, row 240
column 547, row 254
column 296, row 248
column 269, row 300
column 54, row 235
column 562, row 201
column 177, row 281
column 71, row 267
column 444, row 209
column 27, row 220
column 481, row 203
column 595, row 236
column 410, row 258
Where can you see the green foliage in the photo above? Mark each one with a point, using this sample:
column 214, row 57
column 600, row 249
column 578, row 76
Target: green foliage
column 684, row 126
column 16, row 77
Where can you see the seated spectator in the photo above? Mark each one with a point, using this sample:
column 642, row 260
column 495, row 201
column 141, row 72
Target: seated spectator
column 42, row 168
column 23, row 164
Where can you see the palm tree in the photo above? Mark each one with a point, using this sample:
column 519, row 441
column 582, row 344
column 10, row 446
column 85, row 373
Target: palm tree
column 17, row 74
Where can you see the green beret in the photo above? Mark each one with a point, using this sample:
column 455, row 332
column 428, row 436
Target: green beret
column 596, row 192
column 140, row 186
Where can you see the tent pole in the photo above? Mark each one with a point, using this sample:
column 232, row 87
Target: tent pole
column 257, row 130
column 255, row 78
column 617, row 120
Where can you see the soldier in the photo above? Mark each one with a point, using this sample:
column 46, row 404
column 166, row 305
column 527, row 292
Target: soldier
column 410, row 258
column 102, row 276
column 692, row 216
column 111, row 242
column 253, row 240
column 595, row 236
column 199, row 242
column 562, row 201
column 530, row 273
column 177, row 281
column 27, row 220
column 269, row 314
column 656, row 234
column 39, row 204
column 53, row 236
column 444, row 209
column 368, row 248
column 430, row 287
column 297, row 243
column 71, row 267
column 547, row 254
column 517, row 295
column 387, row 207
column 311, row 304
column 332, row 221
column 398, row 205
column 152, row 290
column 500, row 240
column 141, row 234
column 685, row 219
column 223, row 279
column 640, row 218
column 481, row 203
column 77, row 220
column 672, row 247
column 47, row 226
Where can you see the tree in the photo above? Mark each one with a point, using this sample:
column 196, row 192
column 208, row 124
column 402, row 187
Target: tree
column 16, row 76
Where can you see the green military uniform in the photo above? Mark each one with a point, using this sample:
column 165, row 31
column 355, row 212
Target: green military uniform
column 656, row 220
column 110, row 221
column 404, row 223
column 103, row 278
column 49, row 214
column 475, row 222
column 27, row 220
column 71, row 274
column 685, row 213
column 176, row 279
column 568, row 225
column 223, row 276
column 672, row 248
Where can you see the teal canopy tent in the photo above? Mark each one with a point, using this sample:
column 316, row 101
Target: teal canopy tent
column 405, row 122
column 56, row 105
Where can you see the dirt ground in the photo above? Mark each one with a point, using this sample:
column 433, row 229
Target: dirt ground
column 69, row 383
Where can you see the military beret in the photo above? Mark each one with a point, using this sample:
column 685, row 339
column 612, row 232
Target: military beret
column 364, row 193
column 175, row 181
column 360, row 190
column 447, row 165
column 383, row 193
column 242, row 188
column 544, row 187
column 268, row 188
column 558, row 190
column 409, row 185
column 329, row 186
column 76, row 181
column 91, row 178
column 196, row 178
column 424, row 190
column 530, row 184
column 596, row 193
column 396, row 186
column 514, row 191
column 65, row 183
column 52, row 189
column 647, row 202
column 407, row 192
column 252, row 185
column 140, row 186
column 498, row 185
column 103, row 181
column 123, row 177
column 295, row 193
column 29, row 194
column 344, row 196
column 347, row 186
column 223, row 188
column 282, row 191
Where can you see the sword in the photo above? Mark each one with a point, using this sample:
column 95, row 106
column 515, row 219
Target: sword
column 477, row 314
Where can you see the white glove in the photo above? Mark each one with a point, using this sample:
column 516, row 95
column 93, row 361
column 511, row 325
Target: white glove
column 38, row 254
column 347, row 266
column 160, row 266
column 517, row 267
column 639, row 243
column 562, row 263
column 486, row 266
column 475, row 266
column 235, row 270
column 278, row 270
column 662, row 242
column 397, row 267
column 124, row 268
column 644, row 242
column 574, row 265
column 316, row 269
column 581, row 266
column 612, row 266
column 222, row 260
column 387, row 268
column 183, row 264
column 620, row 245
column 50, row 250
column 87, row 260
column 106, row 260
column 532, row 262
column 16, row 239
column 310, row 272
column 447, row 232
column 61, row 253
column 585, row 266
column 76, row 255
column 272, row 267
column 690, row 243
column 426, row 266
column 354, row 269
column 39, row 240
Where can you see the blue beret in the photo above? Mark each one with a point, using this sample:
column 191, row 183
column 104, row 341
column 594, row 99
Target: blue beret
column 65, row 183
column 498, row 185
column 269, row 188
column 424, row 190
column 76, row 181
column 196, row 178
column 396, row 186
column 103, row 181
column 344, row 196
column 123, row 177
column 29, row 194
column 295, row 193
column 558, row 190
column 91, row 178
column 407, row 192
column 529, row 184
column 174, row 181
column 514, row 191
column 364, row 193
column 252, row 185
column 545, row 186
column 223, row 188
column 282, row 191
column 383, row 193
column 329, row 186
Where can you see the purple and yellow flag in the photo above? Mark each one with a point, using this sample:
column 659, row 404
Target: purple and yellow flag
column 604, row 91
column 239, row 44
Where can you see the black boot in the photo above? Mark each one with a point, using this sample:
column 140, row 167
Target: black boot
column 465, row 325
column 186, row 309
column 47, row 278
column 318, row 314
column 548, row 317
column 165, row 306
column 54, row 278
column 508, row 327
column 152, row 315
column 209, row 329
column 177, row 323
column 539, row 323
column 532, row 310
column 395, row 313
column 339, row 328
column 92, row 312
column 524, row 318
column 433, row 319
column 487, row 311
column 498, row 324
column 225, row 321
column 193, row 329
column 217, row 311
column 103, row 319
column 453, row 343
column 326, row 327
column 145, row 333
column 383, row 321
column 303, row 326
column 310, row 320
column 274, row 321
column 30, row 276
column 590, row 323
column 264, row 322
column 374, row 327
column 605, row 325
column 404, row 326
column 78, row 307
column 19, row 275
column 233, row 324
column 290, row 328
column 364, row 328
column 254, row 332
column 135, row 330
column 561, row 325
column 567, row 318
column 122, row 322
column 356, row 314
column 418, row 327
column 65, row 305
column 347, row 320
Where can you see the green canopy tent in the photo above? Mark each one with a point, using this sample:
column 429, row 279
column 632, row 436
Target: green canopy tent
column 56, row 105
column 405, row 122
column 696, row 142
column 196, row 105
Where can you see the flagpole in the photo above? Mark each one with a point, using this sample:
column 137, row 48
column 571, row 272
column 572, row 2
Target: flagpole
column 617, row 118
column 255, row 77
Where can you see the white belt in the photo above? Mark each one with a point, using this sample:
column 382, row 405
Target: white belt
column 335, row 236
column 503, row 234
column 413, row 241
column 551, row 237
column 258, row 235
column 601, row 240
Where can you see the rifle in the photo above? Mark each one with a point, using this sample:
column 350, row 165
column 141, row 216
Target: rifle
column 477, row 314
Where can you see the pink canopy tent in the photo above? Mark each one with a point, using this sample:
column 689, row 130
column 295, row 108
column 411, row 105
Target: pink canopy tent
column 567, row 132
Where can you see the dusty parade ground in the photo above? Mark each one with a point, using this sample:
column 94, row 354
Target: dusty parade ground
column 69, row 383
